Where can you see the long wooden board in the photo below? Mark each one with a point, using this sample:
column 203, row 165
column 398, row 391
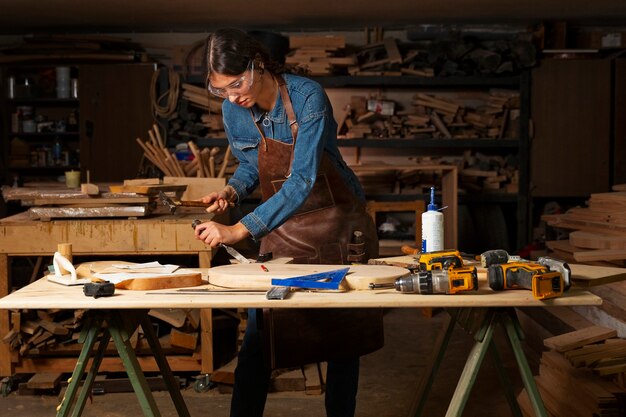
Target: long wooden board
column 252, row 276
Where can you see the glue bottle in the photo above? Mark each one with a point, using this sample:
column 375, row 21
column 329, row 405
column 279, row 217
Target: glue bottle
column 432, row 226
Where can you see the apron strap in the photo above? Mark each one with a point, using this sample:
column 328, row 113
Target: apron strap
column 291, row 117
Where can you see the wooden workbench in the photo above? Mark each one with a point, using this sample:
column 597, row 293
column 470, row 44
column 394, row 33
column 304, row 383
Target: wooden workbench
column 129, row 308
column 151, row 236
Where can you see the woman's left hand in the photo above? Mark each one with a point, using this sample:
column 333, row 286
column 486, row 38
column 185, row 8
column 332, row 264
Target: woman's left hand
column 212, row 233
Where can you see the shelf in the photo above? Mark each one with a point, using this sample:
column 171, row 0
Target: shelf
column 414, row 81
column 45, row 136
column 337, row 81
column 463, row 198
column 430, row 143
column 397, row 143
column 43, row 169
column 44, row 101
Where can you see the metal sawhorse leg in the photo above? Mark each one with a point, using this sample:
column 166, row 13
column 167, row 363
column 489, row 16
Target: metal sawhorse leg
column 482, row 323
column 120, row 325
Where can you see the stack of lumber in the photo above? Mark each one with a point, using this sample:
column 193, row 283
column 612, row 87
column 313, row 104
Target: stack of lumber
column 309, row 379
column 478, row 173
column 384, row 58
column 318, row 55
column 582, row 374
column 597, row 232
column 468, row 115
column 483, row 173
column 209, row 162
column 47, row 203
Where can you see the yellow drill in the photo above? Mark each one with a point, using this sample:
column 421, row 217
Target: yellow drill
column 439, row 281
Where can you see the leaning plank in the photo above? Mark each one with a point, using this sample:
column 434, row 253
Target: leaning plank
column 312, row 382
column 582, row 337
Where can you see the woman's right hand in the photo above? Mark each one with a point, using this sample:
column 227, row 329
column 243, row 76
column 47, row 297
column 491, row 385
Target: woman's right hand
column 219, row 202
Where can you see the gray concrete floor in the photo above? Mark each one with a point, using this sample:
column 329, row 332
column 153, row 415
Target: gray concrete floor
column 386, row 388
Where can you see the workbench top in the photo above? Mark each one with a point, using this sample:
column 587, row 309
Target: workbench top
column 43, row 294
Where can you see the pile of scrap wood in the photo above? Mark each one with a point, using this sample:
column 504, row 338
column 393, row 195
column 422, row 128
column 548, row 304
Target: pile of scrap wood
column 56, row 332
column 468, row 115
column 386, row 56
column 208, row 162
column 318, row 55
column 33, row 332
column 597, row 232
column 309, row 379
column 582, row 374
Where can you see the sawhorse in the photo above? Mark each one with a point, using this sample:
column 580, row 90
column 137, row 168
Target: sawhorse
column 120, row 325
column 481, row 322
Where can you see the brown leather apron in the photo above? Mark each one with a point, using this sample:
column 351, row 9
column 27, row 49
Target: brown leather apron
column 319, row 232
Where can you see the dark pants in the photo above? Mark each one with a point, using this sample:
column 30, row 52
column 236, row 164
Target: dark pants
column 252, row 378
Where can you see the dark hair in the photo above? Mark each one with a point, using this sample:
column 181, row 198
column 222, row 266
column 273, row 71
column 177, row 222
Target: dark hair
column 228, row 52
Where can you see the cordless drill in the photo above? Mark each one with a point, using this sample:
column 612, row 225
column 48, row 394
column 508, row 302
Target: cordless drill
column 538, row 278
column 506, row 272
column 439, row 281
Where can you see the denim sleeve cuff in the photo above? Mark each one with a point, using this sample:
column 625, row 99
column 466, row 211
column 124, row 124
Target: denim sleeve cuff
column 255, row 226
column 239, row 187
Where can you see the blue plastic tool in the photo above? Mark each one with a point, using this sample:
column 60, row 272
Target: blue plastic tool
column 328, row 280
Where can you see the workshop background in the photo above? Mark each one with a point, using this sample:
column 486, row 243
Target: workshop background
column 513, row 111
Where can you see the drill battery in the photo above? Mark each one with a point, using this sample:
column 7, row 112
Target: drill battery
column 538, row 278
column 444, row 259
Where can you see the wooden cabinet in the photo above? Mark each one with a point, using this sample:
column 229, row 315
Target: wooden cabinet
column 94, row 128
column 115, row 108
column 571, row 114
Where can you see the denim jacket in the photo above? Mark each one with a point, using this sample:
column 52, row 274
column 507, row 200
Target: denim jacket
column 317, row 133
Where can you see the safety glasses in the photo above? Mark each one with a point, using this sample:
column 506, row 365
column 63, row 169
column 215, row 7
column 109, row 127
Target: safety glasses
column 237, row 87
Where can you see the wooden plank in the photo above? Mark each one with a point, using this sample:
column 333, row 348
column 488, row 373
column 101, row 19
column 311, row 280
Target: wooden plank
column 590, row 275
column 183, row 340
column 174, row 316
column 196, row 187
column 148, row 189
column 591, row 240
column 110, row 199
column 44, row 380
column 312, row 381
column 47, row 213
column 291, row 380
column 225, row 374
column 578, row 338
column 600, row 255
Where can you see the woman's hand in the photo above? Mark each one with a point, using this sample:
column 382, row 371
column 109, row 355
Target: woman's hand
column 220, row 202
column 212, row 233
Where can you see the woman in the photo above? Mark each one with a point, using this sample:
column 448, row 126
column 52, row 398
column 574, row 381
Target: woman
column 281, row 129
